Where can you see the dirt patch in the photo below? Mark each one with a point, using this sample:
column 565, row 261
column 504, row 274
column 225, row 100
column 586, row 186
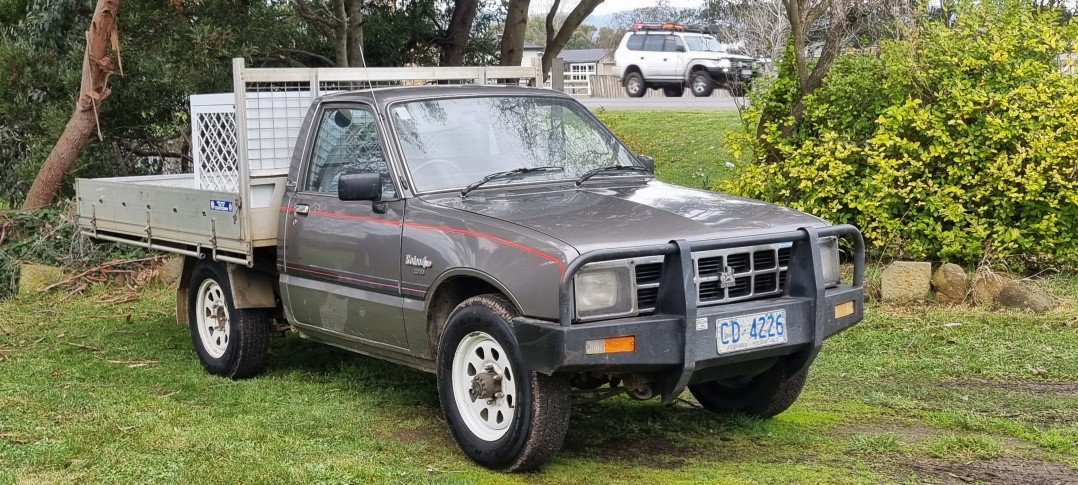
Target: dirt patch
column 1033, row 387
column 635, row 449
column 1000, row 470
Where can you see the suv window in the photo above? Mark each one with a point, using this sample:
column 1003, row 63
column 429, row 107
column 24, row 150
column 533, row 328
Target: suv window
column 636, row 42
column 672, row 43
column 654, row 42
column 347, row 142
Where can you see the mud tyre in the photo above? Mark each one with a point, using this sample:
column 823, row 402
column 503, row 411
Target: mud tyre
column 763, row 396
column 518, row 424
column 230, row 342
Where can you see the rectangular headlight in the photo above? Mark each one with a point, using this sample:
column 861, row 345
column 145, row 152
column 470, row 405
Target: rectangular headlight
column 605, row 290
column 829, row 260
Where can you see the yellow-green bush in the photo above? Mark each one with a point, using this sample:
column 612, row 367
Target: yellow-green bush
column 957, row 143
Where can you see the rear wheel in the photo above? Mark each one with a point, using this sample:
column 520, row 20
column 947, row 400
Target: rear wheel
column 764, row 395
column 701, row 84
column 634, row 85
column 502, row 415
column 230, row 342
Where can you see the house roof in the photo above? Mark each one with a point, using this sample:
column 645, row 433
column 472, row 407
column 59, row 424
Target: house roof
column 532, row 47
column 583, row 55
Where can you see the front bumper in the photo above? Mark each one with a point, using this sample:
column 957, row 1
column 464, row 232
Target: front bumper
column 679, row 341
column 743, row 74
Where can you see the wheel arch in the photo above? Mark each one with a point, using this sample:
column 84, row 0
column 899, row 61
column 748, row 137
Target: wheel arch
column 693, row 67
column 250, row 288
column 451, row 288
column 629, row 70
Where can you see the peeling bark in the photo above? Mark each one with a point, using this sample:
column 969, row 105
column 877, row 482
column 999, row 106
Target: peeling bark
column 97, row 66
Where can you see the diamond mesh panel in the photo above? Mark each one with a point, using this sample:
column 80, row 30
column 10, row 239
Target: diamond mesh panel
column 217, row 152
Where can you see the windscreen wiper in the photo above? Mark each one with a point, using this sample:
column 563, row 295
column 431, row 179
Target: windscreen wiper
column 508, row 173
column 612, row 168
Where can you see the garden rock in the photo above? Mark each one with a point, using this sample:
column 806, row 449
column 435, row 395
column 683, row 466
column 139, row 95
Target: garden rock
column 1025, row 297
column 36, row 277
column 987, row 286
column 906, row 281
column 169, row 272
column 951, row 283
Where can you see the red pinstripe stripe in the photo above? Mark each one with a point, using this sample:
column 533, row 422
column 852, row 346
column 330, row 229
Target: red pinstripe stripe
column 529, row 250
column 343, row 277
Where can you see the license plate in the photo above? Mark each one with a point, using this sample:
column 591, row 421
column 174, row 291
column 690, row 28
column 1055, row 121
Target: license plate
column 751, row 331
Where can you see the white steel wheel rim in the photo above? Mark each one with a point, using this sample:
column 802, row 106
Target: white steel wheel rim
column 487, row 419
column 212, row 318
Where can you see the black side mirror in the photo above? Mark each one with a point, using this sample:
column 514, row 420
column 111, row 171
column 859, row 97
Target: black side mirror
column 648, row 162
column 360, row 186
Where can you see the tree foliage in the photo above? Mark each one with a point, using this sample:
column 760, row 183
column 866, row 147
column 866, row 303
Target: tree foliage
column 959, row 142
column 172, row 49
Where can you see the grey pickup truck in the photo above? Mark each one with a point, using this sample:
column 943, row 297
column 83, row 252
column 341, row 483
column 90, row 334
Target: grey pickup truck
column 504, row 239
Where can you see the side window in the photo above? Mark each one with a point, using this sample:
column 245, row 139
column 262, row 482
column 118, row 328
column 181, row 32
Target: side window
column 672, row 43
column 636, row 42
column 654, row 43
column 347, row 142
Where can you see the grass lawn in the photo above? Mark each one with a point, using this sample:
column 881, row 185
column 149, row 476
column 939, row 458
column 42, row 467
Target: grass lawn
column 97, row 393
column 689, row 147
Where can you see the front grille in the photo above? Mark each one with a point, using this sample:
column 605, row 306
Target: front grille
column 759, row 272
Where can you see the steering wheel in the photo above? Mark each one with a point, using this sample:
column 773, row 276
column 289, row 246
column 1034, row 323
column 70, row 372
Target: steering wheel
column 454, row 169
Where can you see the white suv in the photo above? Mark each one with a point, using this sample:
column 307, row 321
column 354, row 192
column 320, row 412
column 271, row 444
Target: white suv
column 670, row 58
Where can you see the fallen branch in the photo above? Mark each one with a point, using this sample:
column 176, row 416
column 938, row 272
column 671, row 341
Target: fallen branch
column 131, row 364
column 84, row 347
column 98, row 269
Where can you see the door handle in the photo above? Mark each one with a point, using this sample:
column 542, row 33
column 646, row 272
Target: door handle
column 302, row 209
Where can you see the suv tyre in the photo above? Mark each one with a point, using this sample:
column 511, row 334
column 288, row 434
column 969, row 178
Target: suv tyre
column 634, row 85
column 701, row 84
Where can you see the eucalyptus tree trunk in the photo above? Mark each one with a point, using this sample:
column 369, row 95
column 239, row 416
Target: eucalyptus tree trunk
column 97, row 66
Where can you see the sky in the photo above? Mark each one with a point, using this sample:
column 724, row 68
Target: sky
column 611, row 6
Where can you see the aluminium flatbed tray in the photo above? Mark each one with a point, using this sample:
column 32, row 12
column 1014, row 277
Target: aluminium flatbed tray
column 171, row 213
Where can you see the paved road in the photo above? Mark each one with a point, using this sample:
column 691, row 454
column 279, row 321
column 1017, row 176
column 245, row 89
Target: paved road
column 687, row 103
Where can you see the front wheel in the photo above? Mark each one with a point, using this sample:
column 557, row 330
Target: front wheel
column 502, row 415
column 230, row 342
column 763, row 396
column 701, row 84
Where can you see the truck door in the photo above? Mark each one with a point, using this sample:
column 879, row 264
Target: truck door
column 342, row 258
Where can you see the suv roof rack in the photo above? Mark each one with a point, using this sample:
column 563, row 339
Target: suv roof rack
column 657, row 26
column 673, row 27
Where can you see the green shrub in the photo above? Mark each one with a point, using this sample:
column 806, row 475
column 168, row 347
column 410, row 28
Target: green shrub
column 958, row 143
